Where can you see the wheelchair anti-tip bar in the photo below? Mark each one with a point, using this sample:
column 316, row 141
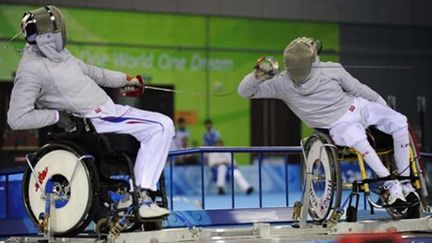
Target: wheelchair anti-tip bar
column 80, row 159
column 35, row 176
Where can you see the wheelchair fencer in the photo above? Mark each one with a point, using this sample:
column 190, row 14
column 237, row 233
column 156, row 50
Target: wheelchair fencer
column 79, row 177
column 322, row 163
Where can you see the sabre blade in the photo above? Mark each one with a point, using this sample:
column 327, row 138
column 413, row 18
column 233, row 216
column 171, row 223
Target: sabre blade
column 173, row 90
column 366, row 67
column 186, row 92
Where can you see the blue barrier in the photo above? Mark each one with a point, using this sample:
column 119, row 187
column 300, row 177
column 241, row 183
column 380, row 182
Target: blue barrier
column 260, row 150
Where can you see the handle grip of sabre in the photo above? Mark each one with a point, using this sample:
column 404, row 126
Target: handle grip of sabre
column 134, row 89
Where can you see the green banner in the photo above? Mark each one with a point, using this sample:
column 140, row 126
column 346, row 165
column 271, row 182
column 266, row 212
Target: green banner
column 199, row 54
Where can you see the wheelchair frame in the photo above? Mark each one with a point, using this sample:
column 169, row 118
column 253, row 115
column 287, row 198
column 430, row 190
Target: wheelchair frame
column 80, row 142
column 363, row 185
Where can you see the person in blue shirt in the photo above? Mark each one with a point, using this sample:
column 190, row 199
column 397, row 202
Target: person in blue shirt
column 211, row 136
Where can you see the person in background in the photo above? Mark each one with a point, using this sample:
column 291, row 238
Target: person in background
column 211, row 136
column 182, row 136
column 220, row 163
column 187, row 159
column 181, row 141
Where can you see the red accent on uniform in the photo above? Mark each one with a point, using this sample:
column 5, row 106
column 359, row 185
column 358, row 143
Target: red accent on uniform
column 352, row 108
column 405, row 145
column 98, row 110
column 365, row 153
column 41, row 177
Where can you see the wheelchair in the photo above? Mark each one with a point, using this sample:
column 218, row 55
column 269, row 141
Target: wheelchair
column 79, row 177
column 322, row 160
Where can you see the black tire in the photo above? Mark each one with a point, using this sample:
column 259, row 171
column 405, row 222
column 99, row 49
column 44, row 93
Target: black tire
column 412, row 212
column 152, row 226
column 42, row 157
column 333, row 189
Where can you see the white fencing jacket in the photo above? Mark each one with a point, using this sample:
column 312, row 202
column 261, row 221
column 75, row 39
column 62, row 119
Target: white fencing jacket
column 319, row 101
column 43, row 86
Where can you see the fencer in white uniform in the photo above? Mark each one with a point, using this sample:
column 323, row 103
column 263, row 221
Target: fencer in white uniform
column 221, row 162
column 325, row 95
column 50, row 83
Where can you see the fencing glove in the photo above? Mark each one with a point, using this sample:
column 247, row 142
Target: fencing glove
column 134, row 86
column 266, row 68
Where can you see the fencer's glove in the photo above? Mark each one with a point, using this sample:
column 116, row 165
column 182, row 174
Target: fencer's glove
column 66, row 122
column 266, row 68
column 134, row 86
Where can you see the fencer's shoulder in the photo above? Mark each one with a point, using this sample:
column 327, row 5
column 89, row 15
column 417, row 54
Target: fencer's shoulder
column 67, row 54
column 330, row 64
column 31, row 62
column 281, row 77
column 331, row 69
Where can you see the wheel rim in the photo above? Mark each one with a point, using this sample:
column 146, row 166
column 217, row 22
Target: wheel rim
column 74, row 194
column 322, row 188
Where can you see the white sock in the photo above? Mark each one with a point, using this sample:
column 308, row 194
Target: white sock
column 371, row 158
column 401, row 145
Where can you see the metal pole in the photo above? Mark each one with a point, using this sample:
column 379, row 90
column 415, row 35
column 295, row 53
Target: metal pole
column 171, row 183
column 421, row 108
column 260, row 179
column 232, row 180
column 286, row 180
column 306, row 197
column 7, row 196
column 202, row 180
column 364, row 201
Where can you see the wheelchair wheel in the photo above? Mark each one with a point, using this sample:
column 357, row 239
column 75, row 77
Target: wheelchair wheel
column 326, row 189
column 424, row 191
column 71, row 211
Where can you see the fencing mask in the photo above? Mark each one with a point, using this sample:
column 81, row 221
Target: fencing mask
column 299, row 56
column 43, row 20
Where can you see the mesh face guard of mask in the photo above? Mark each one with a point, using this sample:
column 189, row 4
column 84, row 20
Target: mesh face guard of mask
column 43, row 20
column 299, row 56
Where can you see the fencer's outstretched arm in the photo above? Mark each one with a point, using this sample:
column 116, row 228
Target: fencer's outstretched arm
column 103, row 77
column 22, row 113
column 354, row 87
column 252, row 88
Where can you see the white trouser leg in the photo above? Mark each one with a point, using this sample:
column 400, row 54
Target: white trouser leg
column 221, row 175
column 401, row 151
column 349, row 130
column 240, row 180
column 153, row 130
column 392, row 122
column 353, row 135
column 371, row 158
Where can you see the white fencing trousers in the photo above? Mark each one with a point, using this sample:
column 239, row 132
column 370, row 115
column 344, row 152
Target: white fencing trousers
column 153, row 130
column 239, row 179
column 349, row 130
